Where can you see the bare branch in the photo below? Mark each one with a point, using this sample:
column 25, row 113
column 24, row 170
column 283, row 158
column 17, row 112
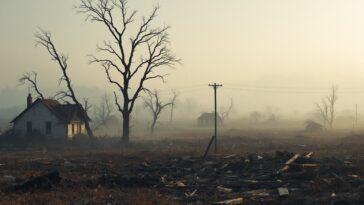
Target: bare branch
column 44, row 39
column 102, row 113
column 86, row 105
column 323, row 109
column 225, row 112
column 101, row 12
column 117, row 103
column 62, row 96
column 31, row 79
column 108, row 75
column 108, row 48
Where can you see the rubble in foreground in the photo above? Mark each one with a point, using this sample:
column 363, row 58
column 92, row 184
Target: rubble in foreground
column 285, row 178
column 280, row 178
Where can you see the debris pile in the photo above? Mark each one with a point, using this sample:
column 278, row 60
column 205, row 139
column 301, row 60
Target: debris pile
column 283, row 178
column 278, row 178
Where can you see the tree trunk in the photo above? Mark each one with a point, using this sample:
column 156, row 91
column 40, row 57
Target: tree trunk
column 126, row 128
column 171, row 120
column 89, row 130
column 153, row 125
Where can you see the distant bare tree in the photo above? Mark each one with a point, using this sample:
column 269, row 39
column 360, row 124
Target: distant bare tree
column 31, row 80
column 173, row 105
column 331, row 99
column 327, row 107
column 256, row 116
column 86, row 105
column 272, row 114
column 156, row 106
column 102, row 113
column 120, row 64
column 323, row 110
column 44, row 39
column 225, row 112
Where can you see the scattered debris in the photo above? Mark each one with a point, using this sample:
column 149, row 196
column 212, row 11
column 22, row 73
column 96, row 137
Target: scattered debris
column 44, row 182
column 289, row 162
column 278, row 178
column 191, row 194
column 223, row 189
column 229, row 202
column 282, row 191
column 68, row 164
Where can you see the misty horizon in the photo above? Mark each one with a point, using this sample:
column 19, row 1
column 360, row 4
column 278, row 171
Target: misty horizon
column 262, row 58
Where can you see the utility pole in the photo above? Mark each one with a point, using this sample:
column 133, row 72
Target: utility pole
column 356, row 114
column 171, row 117
column 356, row 118
column 215, row 86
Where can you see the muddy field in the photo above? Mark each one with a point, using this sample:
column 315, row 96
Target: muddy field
column 294, row 169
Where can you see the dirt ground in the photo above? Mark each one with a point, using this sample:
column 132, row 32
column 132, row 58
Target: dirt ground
column 172, row 170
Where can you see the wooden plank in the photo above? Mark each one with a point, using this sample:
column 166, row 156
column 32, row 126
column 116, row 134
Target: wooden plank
column 290, row 161
column 294, row 158
column 236, row 201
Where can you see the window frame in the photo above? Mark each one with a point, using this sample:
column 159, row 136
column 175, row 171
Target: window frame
column 29, row 127
column 48, row 127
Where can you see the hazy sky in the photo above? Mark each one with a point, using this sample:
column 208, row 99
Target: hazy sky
column 262, row 51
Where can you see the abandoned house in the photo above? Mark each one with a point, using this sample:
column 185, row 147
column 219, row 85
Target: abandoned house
column 208, row 119
column 312, row 126
column 49, row 118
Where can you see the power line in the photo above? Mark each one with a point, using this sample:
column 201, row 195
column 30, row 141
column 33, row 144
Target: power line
column 182, row 92
column 265, row 89
column 274, row 87
column 185, row 88
column 275, row 91
column 291, row 88
column 290, row 91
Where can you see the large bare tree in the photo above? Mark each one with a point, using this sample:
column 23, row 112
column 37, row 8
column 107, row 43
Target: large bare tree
column 30, row 78
column 44, row 39
column 156, row 106
column 118, row 57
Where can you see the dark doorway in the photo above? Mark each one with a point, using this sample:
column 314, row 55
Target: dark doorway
column 73, row 128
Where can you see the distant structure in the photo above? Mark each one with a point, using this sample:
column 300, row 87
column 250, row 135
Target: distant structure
column 208, row 119
column 312, row 126
column 49, row 118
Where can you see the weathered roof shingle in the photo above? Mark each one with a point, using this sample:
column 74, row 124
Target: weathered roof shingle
column 65, row 112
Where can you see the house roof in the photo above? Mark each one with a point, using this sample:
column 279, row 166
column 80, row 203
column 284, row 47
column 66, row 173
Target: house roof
column 64, row 112
column 207, row 115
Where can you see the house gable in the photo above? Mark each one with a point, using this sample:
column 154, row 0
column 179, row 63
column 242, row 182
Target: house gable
column 38, row 117
column 64, row 112
column 30, row 107
column 45, row 115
